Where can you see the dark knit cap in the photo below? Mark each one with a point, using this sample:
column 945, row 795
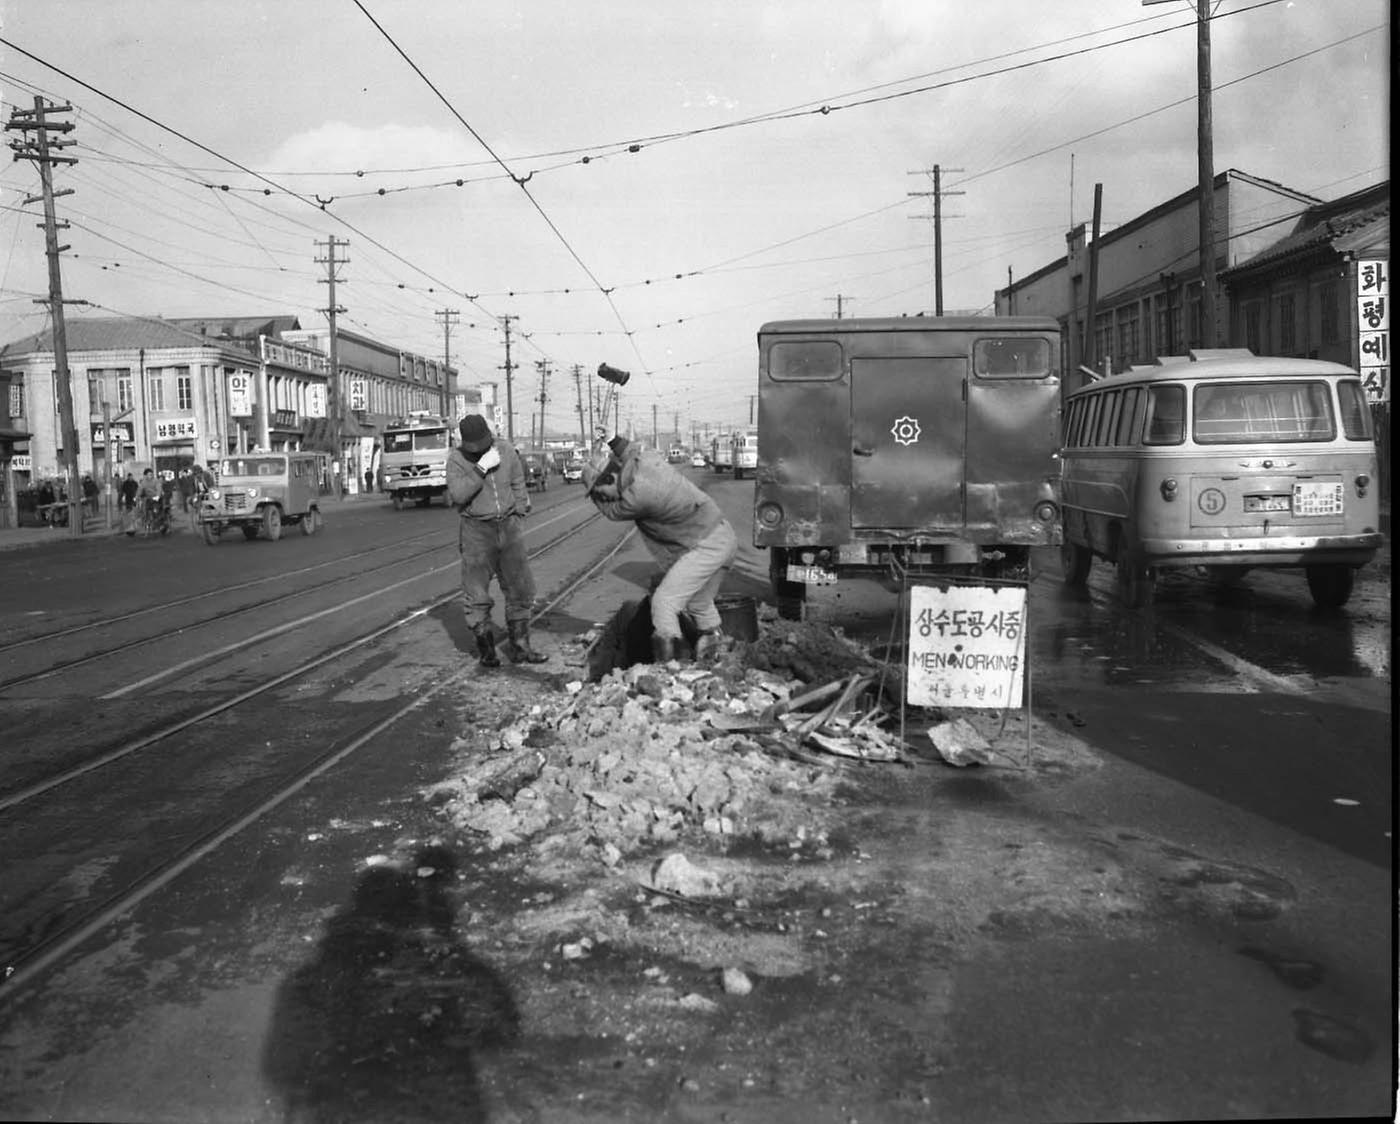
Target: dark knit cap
column 618, row 445
column 476, row 434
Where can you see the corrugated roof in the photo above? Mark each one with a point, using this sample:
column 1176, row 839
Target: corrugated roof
column 114, row 334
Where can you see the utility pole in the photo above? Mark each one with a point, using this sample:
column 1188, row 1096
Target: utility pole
column 578, row 394
column 542, row 365
column 334, row 395
column 449, row 316
column 752, row 399
column 655, row 433
column 936, row 172
column 34, row 144
column 509, row 367
column 840, row 303
column 588, row 444
column 1205, row 171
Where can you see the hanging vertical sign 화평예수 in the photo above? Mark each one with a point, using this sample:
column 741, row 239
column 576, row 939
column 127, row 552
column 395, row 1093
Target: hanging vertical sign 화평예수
column 1373, row 327
column 967, row 646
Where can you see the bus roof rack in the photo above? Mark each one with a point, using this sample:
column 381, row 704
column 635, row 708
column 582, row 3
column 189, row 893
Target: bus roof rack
column 1202, row 353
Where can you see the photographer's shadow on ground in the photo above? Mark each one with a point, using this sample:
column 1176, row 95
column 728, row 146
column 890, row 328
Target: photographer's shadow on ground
column 384, row 1023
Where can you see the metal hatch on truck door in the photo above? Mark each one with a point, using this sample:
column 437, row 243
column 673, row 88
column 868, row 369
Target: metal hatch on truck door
column 908, row 438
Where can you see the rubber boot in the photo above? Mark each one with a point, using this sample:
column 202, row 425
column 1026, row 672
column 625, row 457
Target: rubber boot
column 486, row 646
column 520, row 650
column 707, row 644
column 660, row 648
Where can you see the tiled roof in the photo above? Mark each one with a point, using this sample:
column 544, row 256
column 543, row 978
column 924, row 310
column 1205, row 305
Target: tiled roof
column 113, row 333
column 239, row 327
column 1360, row 229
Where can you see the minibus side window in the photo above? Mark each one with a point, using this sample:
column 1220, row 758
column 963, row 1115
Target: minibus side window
column 1125, row 418
column 1108, row 417
column 1075, row 412
column 1166, row 415
column 1356, row 415
column 1091, row 418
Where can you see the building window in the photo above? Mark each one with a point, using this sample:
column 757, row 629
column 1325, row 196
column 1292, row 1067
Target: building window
column 157, row 391
column 184, row 392
column 16, row 399
column 124, row 397
column 1287, row 328
column 1254, row 327
column 1195, row 320
column 1329, row 313
column 1128, row 338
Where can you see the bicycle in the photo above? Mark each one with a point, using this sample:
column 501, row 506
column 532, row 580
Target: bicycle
column 154, row 518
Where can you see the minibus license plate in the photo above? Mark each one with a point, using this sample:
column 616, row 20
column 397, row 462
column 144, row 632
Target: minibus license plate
column 1266, row 503
column 810, row 575
column 1317, row 499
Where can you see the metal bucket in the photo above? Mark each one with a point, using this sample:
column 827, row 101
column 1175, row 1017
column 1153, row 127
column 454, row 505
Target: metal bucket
column 738, row 616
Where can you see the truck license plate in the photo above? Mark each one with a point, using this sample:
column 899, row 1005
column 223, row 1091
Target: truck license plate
column 1266, row 503
column 810, row 575
column 1317, row 499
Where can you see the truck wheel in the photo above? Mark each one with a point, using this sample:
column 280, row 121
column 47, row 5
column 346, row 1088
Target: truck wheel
column 210, row 531
column 787, row 595
column 1330, row 585
column 311, row 522
column 250, row 532
column 272, row 522
column 397, row 500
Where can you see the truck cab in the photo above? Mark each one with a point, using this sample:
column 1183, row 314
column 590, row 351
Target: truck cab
column 261, row 493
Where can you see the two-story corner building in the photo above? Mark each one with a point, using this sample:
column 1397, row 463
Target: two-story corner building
column 1148, row 299
column 145, row 392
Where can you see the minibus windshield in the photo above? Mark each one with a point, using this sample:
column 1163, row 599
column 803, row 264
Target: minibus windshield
column 1263, row 413
column 255, row 466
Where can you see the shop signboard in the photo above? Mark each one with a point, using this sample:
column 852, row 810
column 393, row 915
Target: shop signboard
column 174, row 429
column 240, row 394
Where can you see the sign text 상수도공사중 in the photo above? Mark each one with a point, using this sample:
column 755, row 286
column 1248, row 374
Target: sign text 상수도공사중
column 967, row 646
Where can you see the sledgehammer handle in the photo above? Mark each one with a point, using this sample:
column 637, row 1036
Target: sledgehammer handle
column 778, row 709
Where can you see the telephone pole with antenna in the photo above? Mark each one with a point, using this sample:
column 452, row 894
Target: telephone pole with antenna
column 936, row 174
column 508, row 368
column 449, row 317
column 840, row 300
column 34, row 143
column 334, row 394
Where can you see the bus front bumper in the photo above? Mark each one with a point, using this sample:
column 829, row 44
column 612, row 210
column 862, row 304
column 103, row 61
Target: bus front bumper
column 1293, row 550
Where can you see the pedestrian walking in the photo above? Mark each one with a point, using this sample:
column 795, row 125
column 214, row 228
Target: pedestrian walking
column 487, row 484
column 685, row 531
column 89, row 493
column 130, row 489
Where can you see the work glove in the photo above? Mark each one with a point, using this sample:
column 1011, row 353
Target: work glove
column 489, row 459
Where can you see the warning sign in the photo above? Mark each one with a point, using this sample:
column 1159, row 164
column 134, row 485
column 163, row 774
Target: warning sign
column 967, row 645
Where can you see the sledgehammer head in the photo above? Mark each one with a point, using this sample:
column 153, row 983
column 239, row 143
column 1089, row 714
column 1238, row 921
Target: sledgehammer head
column 613, row 375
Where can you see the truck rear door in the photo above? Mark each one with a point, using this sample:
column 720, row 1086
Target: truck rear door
column 908, row 441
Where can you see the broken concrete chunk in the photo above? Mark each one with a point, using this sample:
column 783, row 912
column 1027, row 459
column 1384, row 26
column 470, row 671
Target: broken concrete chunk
column 697, row 1002
column 959, row 743
column 735, row 982
column 676, row 874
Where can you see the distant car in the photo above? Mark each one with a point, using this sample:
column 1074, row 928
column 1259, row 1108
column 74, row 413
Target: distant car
column 697, row 460
column 573, row 472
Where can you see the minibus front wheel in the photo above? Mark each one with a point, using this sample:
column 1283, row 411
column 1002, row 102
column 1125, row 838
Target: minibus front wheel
column 1330, row 585
column 1075, row 562
column 1135, row 583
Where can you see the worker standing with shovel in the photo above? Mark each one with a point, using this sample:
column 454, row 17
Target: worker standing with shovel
column 685, row 531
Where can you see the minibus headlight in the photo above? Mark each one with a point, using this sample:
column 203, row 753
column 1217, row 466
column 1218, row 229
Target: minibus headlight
column 252, row 493
column 770, row 514
column 1169, row 488
column 823, row 557
column 214, row 493
column 808, row 557
column 1046, row 511
column 1362, row 483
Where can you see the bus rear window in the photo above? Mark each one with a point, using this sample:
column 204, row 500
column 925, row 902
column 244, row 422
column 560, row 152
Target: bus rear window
column 1006, row 357
column 805, row 359
column 1166, row 415
column 1263, row 413
column 1356, row 414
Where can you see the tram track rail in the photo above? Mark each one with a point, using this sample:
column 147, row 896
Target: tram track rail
column 65, row 929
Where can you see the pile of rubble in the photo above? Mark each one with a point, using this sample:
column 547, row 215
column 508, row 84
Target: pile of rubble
column 745, row 747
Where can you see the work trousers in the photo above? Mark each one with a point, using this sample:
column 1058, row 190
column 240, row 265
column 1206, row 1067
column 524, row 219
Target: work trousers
column 691, row 581
column 494, row 548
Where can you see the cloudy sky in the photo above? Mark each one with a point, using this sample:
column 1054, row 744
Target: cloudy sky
column 641, row 182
